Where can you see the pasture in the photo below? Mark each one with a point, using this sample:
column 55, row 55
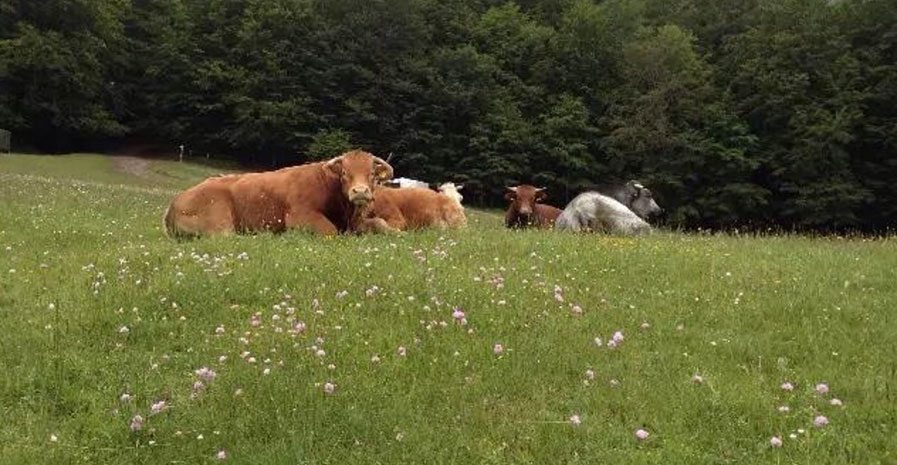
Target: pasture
column 120, row 346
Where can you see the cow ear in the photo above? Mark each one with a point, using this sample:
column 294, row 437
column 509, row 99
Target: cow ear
column 541, row 194
column 335, row 166
column 510, row 196
column 382, row 170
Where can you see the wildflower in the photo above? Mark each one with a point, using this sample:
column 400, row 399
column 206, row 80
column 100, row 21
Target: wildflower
column 617, row 337
column 401, row 351
column 266, row 371
column 205, row 373
column 614, row 383
column 775, row 441
column 575, row 420
column 375, row 358
column 197, row 385
column 784, row 409
column 497, row 349
column 457, row 314
column 645, row 325
column 821, row 388
column 820, row 420
column 611, row 344
column 329, row 387
column 590, row 374
column 123, row 330
column 576, row 309
column 136, row 423
column 698, row 379
column 641, row 434
column 221, row 455
column 597, row 341
column 158, row 406
column 787, row 386
column 53, row 438
column 125, row 398
column 836, row 402
column 320, row 353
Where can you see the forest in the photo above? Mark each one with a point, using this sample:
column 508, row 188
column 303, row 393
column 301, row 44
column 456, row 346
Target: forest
column 737, row 113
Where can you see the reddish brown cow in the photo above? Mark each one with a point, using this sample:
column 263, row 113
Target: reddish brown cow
column 327, row 197
column 526, row 211
column 416, row 207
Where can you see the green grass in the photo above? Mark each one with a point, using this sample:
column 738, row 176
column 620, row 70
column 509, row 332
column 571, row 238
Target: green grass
column 746, row 313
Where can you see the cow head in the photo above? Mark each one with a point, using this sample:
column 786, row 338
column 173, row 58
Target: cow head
column 451, row 190
column 359, row 172
column 523, row 199
column 640, row 200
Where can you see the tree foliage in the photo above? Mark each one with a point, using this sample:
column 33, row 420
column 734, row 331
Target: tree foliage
column 737, row 112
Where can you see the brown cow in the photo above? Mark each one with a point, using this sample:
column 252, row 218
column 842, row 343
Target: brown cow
column 525, row 209
column 417, row 207
column 326, row 197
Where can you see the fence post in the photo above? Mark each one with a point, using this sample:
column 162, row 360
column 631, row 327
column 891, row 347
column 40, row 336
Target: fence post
column 5, row 140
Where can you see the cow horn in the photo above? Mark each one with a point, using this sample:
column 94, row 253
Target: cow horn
column 380, row 164
column 512, row 189
column 540, row 189
column 389, row 157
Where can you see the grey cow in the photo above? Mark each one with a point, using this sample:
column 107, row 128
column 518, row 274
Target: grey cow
column 624, row 213
column 638, row 198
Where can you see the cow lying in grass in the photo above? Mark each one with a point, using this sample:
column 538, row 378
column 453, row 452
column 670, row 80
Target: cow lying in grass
column 416, row 207
column 526, row 210
column 593, row 211
column 326, row 197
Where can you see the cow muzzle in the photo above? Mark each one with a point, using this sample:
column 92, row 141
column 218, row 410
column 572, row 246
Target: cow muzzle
column 360, row 195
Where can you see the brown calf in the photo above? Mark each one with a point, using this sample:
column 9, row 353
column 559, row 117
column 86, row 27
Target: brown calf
column 526, row 211
column 417, row 207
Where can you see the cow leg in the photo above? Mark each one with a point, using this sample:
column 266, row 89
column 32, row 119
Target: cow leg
column 215, row 219
column 377, row 225
column 315, row 221
column 391, row 215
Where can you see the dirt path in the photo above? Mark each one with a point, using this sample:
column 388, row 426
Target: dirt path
column 131, row 165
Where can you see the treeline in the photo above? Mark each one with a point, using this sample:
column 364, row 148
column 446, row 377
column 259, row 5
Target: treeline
column 741, row 113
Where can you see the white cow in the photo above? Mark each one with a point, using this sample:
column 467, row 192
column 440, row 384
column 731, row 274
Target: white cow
column 408, row 182
column 591, row 211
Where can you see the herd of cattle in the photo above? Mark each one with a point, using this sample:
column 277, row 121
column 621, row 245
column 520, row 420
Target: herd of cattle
column 355, row 192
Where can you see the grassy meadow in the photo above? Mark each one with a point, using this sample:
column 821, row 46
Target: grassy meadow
column 120, row 346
